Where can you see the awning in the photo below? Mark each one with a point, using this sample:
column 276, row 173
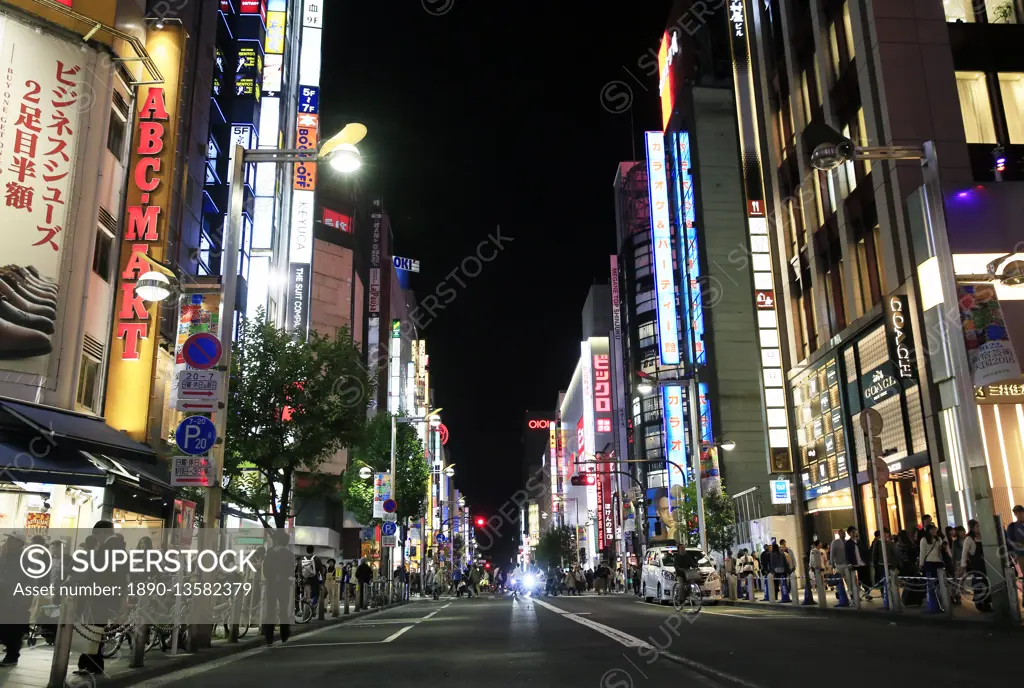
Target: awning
column 68, row 430
column 18, row 464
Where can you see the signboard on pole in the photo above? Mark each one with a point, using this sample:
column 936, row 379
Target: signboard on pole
column 389, row 517
column 781, row 493
column 191, row 471
column 381, row 493
column 198, row 390
column 388, row 540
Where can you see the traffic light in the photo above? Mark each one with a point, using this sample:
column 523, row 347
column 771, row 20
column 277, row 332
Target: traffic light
column 487, row 565
column 480, row 521
column 585, row 479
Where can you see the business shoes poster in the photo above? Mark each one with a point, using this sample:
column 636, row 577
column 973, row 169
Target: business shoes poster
column 44, row 76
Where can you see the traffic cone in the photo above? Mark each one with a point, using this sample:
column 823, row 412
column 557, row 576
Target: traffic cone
column 808, row 598
column 933, row 599
column 765, row 589
column 844, row 601
column 785, row 590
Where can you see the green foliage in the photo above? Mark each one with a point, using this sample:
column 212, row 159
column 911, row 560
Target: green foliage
column 557, row 547
column 720, row 519
column 325, row 387
column 375, row 451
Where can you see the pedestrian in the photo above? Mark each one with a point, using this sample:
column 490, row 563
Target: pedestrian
column 310, row 571
column 569, row 581
column 878, row 559
column 729, row 565
column 590, row 579
column 1015, row 541
column 279, row 588
column 100, row 610
column 765, row 562
column 473, row 582
column 745, row 566
column 815, row 563
column 972, row 562
column 16, row 606
column 779, row 566
column 854, row 561
column 364, row 574
column 636, row 580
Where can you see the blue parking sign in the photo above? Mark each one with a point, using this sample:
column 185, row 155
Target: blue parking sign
column 196, row 435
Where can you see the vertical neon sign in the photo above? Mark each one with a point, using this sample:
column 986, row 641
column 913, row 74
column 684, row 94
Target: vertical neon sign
column 675, row 435
column 661, row 245
column 691, row 250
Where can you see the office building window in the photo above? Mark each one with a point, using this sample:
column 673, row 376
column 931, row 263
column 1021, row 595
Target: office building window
column 867, row 273
column 1012, row 88
column 999, row 11
column 833, row 47
column 88, row 383
column 848, row 31
column 806, row 91
column 862, row 137
column 975, row 107
column 849, row 167
column 816, row 184
column 794, row 228
column 101, row 257
column 115, row 135
column 959, row 10
column 834, row 298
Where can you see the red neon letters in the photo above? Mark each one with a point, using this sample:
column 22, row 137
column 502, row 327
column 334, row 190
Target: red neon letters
column 141, row 222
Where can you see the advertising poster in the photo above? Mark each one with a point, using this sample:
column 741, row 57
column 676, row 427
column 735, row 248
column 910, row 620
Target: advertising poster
column 381, row 492
column 658, row 508
column 43, row 82
column 989, row 350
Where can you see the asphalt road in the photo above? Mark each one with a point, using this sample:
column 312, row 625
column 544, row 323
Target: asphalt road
column 615, row 642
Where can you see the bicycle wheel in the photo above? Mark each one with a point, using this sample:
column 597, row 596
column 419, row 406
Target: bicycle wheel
column 303, row 612
column 677, row 597
column 112, row 647
column 695, row 599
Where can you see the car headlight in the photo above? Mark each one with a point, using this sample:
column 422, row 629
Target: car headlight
column 669, row 575
column 530, row 581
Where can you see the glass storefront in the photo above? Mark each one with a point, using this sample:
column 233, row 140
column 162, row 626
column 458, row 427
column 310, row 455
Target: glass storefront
column 829, row 401
column 1001, row 413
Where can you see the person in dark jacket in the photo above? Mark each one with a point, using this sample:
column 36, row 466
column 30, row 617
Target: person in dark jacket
column 99, row 610
column 765, row 561
column 16, row 606
column 279, row 584
column 779, row 567
column 364, row 574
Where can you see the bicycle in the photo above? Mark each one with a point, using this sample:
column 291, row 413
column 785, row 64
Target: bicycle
column 689, row 598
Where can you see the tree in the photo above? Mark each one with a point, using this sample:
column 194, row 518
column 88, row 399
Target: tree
column 292, row 404
column 719, row 519
column 557, row 547
column 375, row 451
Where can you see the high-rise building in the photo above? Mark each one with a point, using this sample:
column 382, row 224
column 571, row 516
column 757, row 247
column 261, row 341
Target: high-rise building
column 109, row 190
column 893, row 280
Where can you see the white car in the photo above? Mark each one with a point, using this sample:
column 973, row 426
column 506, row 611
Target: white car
column 658, row 576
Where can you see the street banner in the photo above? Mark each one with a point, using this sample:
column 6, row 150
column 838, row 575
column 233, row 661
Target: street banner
column 989, row 349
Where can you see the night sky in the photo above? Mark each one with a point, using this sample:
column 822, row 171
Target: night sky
column 483, row 114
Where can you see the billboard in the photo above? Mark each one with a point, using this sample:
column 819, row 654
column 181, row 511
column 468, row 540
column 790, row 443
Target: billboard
column 44, row 81
column 686, row 218
column 332, row 218
column 661, row 249
column 587, row 442
column 273, row 43
column 675, row 437
column 667, row 53
column 306, row 138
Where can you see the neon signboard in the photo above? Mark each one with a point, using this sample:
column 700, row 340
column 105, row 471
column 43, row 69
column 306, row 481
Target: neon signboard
column 602, row 393
column 675, row 434
column 661, row 245
column 274, row 41
column 691, row 250
column 309, row 99
column 666, row 77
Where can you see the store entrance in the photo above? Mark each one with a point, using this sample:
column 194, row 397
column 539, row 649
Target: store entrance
column 909, row 496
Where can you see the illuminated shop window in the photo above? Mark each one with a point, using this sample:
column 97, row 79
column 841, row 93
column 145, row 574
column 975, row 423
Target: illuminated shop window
column 999, row 11
column 959, row 10
column 1012, row 88
column 975, row 107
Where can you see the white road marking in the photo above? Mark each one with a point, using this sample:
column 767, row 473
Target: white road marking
column 395, row 635
column 633, row 642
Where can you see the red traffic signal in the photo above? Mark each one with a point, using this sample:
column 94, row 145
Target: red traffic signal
column 487, row 564
column 479, row 521
column 585, row 479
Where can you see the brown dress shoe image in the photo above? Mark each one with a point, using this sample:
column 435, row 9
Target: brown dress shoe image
column 22, row 342
column 43, row 285
column 16, row 316
column 29, row 292
column 14, row 283
column 18, row 301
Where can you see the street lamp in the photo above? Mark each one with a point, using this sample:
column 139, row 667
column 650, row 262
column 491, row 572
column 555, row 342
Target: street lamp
column 340, row 153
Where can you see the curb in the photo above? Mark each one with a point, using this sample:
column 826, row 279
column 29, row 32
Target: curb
column 133, row 677
column 879, row 615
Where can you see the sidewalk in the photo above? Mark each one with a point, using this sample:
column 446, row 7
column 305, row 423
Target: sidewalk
column 33, row 670
column 965, row 612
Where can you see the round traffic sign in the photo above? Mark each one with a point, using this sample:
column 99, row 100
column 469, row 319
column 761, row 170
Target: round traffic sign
column 196, row 435
column 202, row 351
column 390, row 506
column 440, row 538
column 388, row 528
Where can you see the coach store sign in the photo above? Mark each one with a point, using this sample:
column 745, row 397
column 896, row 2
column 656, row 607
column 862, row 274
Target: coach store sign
column 879, row 384
column 900, row 337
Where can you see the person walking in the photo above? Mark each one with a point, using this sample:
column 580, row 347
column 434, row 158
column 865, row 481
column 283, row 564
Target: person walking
column 815, row 564
column 855, row 561
column 779, row 566
column 311, row 572
column 972, row 562
column 364, row 575
column 101, row 609
column 765, row 561
column 457, row 580
column 745, row 566
column 17, row 606
column 569, row 580
column 279, row 582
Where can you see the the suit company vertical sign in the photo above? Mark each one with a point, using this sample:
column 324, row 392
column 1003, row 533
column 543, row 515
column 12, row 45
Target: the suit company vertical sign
column 373, row 294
